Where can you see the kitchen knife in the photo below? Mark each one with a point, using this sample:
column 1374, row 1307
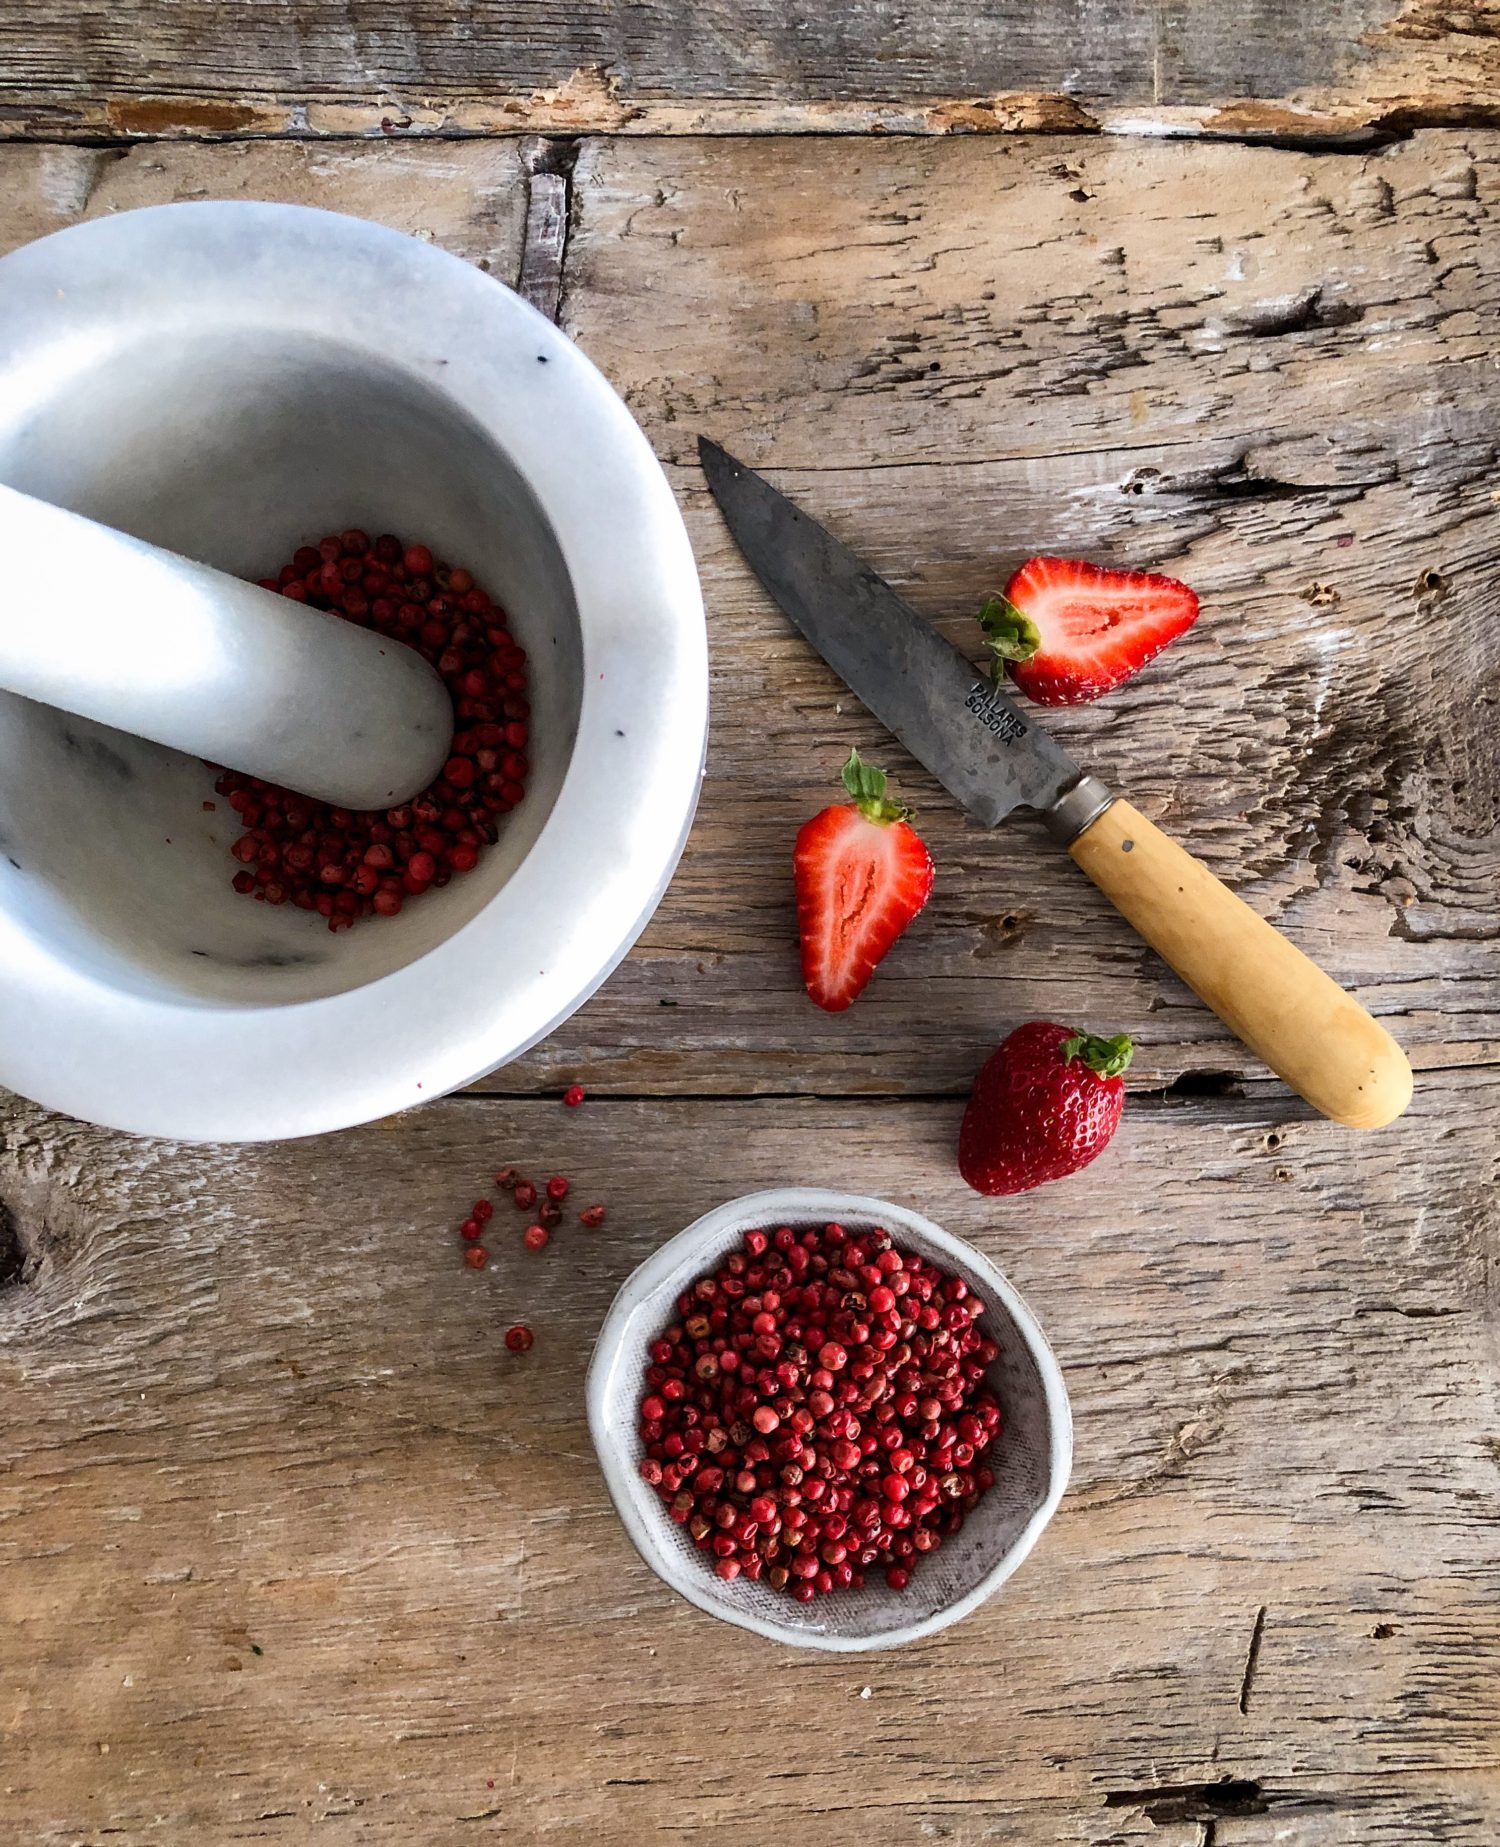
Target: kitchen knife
column 988, row 753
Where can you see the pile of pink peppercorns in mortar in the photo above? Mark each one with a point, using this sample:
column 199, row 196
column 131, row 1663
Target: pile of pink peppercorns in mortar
column 344, row 864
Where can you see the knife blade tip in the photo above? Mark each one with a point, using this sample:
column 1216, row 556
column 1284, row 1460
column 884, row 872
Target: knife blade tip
column 715, row 459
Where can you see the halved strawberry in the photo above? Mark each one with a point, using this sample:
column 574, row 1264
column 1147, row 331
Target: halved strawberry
column 1069, row 631
column 862, row 875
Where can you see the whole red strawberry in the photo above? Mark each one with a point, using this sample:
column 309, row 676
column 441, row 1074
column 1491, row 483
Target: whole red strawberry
column 862, row 875
column 1043, row 1106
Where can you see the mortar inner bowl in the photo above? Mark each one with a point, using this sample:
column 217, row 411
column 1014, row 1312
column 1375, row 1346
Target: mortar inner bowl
column 234, row 448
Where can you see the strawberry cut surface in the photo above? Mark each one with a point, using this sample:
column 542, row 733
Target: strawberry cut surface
column 1069, row 631
column 860, row 882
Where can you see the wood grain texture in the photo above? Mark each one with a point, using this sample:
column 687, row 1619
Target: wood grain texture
column 1269, row 67
column 469, row 197
column 293, row 1549
column 1269, row 374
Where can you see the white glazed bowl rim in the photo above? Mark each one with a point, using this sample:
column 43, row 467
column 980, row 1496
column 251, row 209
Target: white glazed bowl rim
column 154, row 1065
column 643, row 1299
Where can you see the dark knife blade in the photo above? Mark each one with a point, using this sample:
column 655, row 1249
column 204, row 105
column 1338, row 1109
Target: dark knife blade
column 975, row 740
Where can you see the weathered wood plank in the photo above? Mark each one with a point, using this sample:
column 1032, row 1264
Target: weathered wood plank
column 255, row 1403
column 291, row 1546
column 1268, row 371
column 469, row 197
column 321, row 66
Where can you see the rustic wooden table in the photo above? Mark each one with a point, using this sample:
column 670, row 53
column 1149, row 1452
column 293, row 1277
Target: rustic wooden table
column 293, row 1549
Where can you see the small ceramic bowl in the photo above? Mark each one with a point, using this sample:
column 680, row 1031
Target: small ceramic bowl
column 1031, row 1459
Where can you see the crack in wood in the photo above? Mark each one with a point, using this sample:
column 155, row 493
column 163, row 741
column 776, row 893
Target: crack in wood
column 1368, row 137
column 1266, row 125
column 1252, row 1657
column 1193, row 1084
column 1166, row 1802
column 1248, row 1093
column 548, row 164
column 1413, row 1311
column 1230, row 1798
column 13, row 1256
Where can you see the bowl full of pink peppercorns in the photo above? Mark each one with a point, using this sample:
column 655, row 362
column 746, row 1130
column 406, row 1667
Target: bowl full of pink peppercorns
column 824, row 1418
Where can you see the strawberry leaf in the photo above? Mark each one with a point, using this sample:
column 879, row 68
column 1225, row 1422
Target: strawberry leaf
column 1109, row 1057
column 1010, row 632
column 867, row 786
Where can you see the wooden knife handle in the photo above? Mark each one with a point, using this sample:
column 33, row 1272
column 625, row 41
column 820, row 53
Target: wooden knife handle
column 1299, row 1020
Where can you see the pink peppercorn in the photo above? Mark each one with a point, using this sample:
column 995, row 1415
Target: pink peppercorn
column 347, row 866
column 573, row 1095
column 524, row 1195
column 557, row 1187
column 535, row 1237
column 591, row 1216
column 519, row 1339
column 476, row 1256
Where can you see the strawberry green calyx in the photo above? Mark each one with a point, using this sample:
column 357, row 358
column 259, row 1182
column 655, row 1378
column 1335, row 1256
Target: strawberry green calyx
column 1109, row 1057
column 867, row 786
column 1010, row 632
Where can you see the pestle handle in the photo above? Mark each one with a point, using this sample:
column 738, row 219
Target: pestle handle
column 154, row 644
